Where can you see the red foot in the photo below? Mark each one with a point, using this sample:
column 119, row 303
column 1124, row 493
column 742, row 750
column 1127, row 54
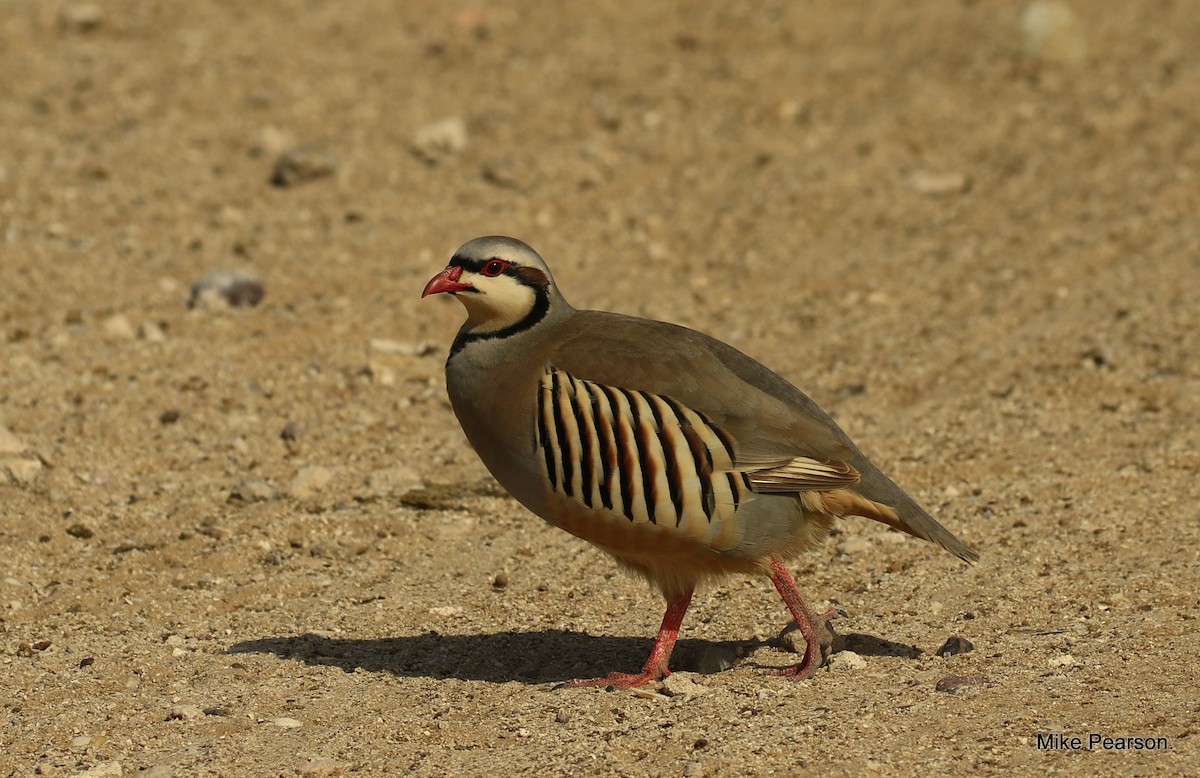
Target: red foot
column 620, row 680
column 806, row 620
column 656, row 665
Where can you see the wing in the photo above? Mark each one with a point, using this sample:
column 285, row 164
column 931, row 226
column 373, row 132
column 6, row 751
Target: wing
column 769, row 424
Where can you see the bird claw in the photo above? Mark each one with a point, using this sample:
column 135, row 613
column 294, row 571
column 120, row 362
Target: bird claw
column 615, row 681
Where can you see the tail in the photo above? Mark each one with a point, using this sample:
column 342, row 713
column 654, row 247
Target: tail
column 878, row 497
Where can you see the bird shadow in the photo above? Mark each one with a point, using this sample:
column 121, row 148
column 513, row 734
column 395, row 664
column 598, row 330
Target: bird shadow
column 536, row 657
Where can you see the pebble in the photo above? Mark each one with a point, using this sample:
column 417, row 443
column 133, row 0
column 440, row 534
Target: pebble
column 303, row 163
column 227, row 288
column 440, row 139
column 155, row 771
column 952, row 683
column 309, row 481
column 287, row 723
column 939, row 184
column 20, row 471
column 104, row 770
column 82, row 741
column 152, row 332
column 80, row 530
column 322, row 766
column 446, row 610
column 500, row 581
column 119, row 327
column 10, row 443
column 1051, row 32
column 682, row 685
column 80, row 17
column 185, row 713
column 955, row 645
column 400, row 348
column 847, row 661
column 1063, row 660
column 393, row 481
column 854, row 545
column 253, row 490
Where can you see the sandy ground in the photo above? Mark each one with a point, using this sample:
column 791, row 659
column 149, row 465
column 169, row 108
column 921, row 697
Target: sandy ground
column 253, row 541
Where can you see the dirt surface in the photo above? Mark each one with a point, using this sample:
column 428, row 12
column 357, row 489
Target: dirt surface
column 253, row 541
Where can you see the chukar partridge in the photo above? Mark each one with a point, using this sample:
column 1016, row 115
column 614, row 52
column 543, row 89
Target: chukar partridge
column 677, row 454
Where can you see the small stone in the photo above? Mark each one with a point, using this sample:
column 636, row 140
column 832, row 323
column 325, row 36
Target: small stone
column 712, row 658
column 80, row 17
column 151, row 332
column 440, row 139
column 854, row 545
column 42, row 645
column 400, row 348
column 227, row 288
column 10, row 443
column 321, row 767
column 1062, row 660
column 939, row 184
column 682, row 685
column 81, row 741
column 287, row 723
column 955, row 645
column 847, row 661
column 951, row 684
column 446, row 610
column 104, row 770
column 185, row 713
column 155, row 771
column 80, row 530
column 562, row 717
column 393, row 481
column 21, row 471
column 169, row 416
column 1051, row 32
column 303, row 163
column 119, row 327
column 309, row 481
column 500, row 581
column 693, row 769
column 253, row 490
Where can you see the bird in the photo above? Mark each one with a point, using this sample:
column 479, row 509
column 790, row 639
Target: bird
column 677, row 454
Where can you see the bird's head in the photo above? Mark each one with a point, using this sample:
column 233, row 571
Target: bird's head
column 504, row 285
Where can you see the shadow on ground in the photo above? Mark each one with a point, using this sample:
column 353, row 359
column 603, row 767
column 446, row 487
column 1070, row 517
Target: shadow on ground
column 548, row 656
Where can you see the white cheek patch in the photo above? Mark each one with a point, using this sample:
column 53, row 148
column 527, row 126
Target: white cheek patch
column 497, row 302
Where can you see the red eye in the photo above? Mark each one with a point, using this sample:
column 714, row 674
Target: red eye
column 494, row 267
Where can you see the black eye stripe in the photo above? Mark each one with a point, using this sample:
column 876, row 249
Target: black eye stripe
column 529, row 276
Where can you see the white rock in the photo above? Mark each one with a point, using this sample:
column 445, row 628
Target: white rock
column 104, row 770
column 80, row 17
column 441, row 138
column 119, row 327
column 400, row 348
column 393, row 481
column 847, row 661
column 682, row 685
column 1063, row 660
column 21, row 471
column 10, row 443
column 186, row 712
column 446, row 610
column 287, row 723
column 936, row 184
column 309, row 481
column 1052, row 32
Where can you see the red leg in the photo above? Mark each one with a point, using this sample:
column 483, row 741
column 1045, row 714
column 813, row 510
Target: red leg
column 656, row 665
column 806, row 620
